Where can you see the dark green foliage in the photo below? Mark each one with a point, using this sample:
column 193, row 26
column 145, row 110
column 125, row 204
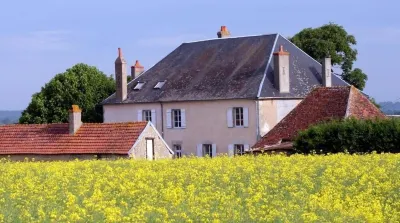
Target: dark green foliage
column 350, row 135
column 82, row 84
column 334, row 41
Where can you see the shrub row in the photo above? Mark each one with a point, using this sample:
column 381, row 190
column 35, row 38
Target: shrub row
column 351, row 136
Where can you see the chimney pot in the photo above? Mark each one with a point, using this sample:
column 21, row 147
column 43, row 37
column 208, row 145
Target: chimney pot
column 136, row 69
column 224, row 32
column 74, row 119
column 281, row 70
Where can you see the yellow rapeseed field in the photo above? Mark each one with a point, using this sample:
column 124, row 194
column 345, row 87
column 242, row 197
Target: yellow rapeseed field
column 334, row 188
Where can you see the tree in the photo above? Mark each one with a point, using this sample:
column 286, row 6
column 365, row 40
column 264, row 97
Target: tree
column 334, row 41
column 81, row 84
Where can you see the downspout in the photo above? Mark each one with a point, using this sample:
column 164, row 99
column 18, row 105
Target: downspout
column 162, row 119
column 257, row 120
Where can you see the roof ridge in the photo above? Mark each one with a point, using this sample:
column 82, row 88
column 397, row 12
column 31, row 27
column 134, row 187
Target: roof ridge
column 231, row 37
column 348, row 112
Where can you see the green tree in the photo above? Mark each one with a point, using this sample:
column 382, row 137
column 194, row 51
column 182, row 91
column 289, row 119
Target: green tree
column 81, row 84
column 334, row 41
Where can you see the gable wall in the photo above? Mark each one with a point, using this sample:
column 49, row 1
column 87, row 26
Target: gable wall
column 160, row 150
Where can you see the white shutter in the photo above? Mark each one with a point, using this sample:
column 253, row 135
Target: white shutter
column 246, row 117
column 153, row 117
column 169, row 116
column 214, row 150
column 199, row 150
column 183, row 118
column 246, row 147
column 139, row 115
column 229, row 117
column 231, row 151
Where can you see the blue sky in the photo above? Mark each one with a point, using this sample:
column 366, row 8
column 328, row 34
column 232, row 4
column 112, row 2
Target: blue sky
column 39, row 39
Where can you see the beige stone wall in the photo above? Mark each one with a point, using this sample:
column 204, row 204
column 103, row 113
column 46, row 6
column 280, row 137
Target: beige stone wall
column 272, row 111
column 206, row 121
column 62, row 157
column 160, row 149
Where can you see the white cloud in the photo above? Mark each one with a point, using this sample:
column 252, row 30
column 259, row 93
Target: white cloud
column 39, row 40
column 168, row 41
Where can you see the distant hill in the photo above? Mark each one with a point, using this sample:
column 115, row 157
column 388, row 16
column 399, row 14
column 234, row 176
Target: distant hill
column 9, row 117
column 390, row 108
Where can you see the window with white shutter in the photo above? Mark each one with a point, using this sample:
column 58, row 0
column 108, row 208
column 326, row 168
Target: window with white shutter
column 214, row 150
column 139, row 115
column 231, row 151
column 153, row 117
column 246, row 117
column 183, row 118
column 199, row 150
column 169, row 118
column 229, row 117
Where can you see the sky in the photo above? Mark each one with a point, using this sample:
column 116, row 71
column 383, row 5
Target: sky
column 39, row 39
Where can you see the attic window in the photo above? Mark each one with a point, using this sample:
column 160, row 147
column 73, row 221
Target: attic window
column 138, row 86
column 159, row 85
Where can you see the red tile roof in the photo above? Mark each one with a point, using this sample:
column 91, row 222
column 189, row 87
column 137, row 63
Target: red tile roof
column 321, row 104
column 91, row 138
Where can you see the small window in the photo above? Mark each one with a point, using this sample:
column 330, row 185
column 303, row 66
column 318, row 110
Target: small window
column 178, row 151
column 207, row 150
column 176, row 118
column 239, row 149
column 159, row 85
column 139, row 86
column 147, row 115
column 238, row 116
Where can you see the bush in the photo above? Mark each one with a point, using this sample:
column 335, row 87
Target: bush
column 350, row 135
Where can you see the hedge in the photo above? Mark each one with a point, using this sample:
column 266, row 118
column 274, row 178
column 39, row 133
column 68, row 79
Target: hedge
column 350, row 136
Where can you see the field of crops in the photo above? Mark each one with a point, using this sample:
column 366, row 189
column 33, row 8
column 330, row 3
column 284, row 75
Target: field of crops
column 334, row 188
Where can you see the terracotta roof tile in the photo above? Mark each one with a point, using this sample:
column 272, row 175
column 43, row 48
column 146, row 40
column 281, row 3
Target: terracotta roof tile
column 91, row 138
column 323, row 103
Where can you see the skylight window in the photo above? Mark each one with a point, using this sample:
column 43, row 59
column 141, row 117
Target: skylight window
column 159, row 85
column 138, row 86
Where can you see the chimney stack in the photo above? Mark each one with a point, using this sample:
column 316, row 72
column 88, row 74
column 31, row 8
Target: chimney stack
column 136, row 70
column 326, row 72
column 75, row 119
column 120, row 77
column 224, row 32
column 281, row 70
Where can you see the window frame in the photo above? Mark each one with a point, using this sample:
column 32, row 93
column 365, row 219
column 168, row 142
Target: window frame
column 238, row 116
column 176, row 123
column 205, row 147
column 178, row 150
column 139, row 85
column 237, row 147
column 146, row 114
column 159, row 85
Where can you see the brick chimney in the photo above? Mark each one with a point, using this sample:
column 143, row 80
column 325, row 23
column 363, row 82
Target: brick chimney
column 75, row 119
column 326, row 72
column 224, row 32
column 120, row 77
column 281, row 70
column 136, row 70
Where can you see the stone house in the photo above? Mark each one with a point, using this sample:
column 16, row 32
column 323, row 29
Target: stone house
column 219, row 95
column 322, row 104
column 77, row 140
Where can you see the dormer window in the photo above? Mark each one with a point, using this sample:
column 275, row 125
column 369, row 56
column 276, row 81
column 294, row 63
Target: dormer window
column 138, row 86
column 159, row 85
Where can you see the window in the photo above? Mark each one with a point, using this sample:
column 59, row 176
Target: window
column 238, row 116
column 239, row 149
column 159, row 85
column 178, row 151
column 147, row 115
column 139, row 86
column 176, row 118
column 207, row 150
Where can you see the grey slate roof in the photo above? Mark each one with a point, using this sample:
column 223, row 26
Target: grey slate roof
column 227, row 68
